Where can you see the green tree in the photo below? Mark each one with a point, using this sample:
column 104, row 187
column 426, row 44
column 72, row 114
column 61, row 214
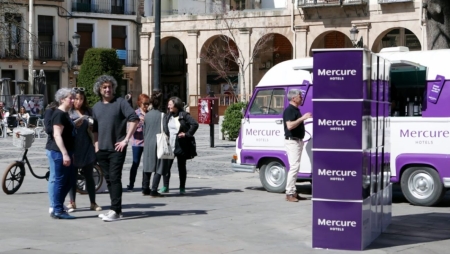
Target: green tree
column 97, row 62
column 232, row 120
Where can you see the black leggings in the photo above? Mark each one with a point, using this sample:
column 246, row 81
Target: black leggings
column 146, row 181
column 90, row 184
column 182, row 172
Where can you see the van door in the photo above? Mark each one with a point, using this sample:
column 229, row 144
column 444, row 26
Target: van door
column 262, row 127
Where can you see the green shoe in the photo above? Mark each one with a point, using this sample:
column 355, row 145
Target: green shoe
column 182, row 191
column 164, row 189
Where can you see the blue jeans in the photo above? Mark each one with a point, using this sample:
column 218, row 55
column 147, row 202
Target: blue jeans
column 51, row 179
column 64, row 180
column 137, row 154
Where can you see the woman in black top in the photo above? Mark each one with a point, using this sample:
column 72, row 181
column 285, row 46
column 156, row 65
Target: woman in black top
column 180, row 127
column 61, row 151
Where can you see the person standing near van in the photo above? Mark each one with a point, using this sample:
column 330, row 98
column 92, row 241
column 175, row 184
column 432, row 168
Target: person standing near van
column 294, row 132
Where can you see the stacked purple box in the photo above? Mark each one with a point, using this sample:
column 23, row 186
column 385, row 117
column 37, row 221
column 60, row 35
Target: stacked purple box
column 347, row 150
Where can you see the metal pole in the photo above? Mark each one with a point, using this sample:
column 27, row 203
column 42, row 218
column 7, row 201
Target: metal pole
column 30, row 47
column 157, row 50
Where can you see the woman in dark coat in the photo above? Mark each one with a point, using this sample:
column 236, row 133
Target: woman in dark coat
column 152, row 126
column 180, row 127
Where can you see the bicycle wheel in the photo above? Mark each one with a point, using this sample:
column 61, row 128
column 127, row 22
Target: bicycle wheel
column 81, row 180
column 13, row 178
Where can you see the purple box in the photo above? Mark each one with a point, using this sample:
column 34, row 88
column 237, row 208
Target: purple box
column 339, row 124
column 341, row 225
column 339, row 74
column 341, row 175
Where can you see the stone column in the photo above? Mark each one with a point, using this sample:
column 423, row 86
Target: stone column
column 192, row 68
column 146, row 74
column 302, row 44
column 244, row 45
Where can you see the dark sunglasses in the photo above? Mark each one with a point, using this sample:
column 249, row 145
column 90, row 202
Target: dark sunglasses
column 78, row 89
column 146, row 104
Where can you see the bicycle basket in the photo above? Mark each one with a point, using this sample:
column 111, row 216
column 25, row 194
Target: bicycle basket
column 23, row 137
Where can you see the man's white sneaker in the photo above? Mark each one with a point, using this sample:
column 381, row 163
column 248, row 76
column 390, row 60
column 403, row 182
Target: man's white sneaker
column 111, row 216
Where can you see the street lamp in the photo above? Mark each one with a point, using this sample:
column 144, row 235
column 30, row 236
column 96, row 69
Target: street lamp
column 354, row 36
column 76, row 42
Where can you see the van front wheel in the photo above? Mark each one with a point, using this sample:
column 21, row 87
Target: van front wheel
column 273, row 176
column 422, row 186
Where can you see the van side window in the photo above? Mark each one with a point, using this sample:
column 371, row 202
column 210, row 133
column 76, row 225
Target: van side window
column 268, row 102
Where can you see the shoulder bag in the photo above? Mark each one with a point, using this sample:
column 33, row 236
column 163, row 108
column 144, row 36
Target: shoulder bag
column 163, row 149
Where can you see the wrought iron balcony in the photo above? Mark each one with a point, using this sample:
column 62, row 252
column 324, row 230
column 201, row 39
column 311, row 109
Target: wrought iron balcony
column 393, row 1
column 128, row 58
column 325, row 3
column 42, row 50
column 126, row 7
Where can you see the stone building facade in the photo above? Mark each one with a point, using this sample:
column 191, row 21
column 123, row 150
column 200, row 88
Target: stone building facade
column 296, row 29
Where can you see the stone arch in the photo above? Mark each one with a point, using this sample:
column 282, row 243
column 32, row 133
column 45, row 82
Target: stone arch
column 273, row 48
column 210, row 80
column 331, row 39
column 397, row 36
column 173, row 69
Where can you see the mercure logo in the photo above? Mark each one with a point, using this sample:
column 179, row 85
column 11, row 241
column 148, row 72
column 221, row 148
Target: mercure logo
column 337, row 223
column 325, row 72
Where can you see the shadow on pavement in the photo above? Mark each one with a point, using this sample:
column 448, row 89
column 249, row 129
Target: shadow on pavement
column 414, row 229
column 199, row 192
column 301, row 189
column 30, row 192
column 143, row 214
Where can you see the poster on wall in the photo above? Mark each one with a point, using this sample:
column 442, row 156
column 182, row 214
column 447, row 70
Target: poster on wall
column 33, row 103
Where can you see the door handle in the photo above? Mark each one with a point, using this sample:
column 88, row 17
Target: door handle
column 278, row 121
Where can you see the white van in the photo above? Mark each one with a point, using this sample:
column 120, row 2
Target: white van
column 418, row 124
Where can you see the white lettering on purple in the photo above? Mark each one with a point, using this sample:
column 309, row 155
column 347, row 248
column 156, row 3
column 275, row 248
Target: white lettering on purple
column 337, row 223
column 424, row 134
column 328, row 172
column 337, row 122
column 325, row 72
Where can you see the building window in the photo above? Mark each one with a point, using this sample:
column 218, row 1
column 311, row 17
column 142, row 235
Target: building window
column 13, row 40
column 118, row 42
column 86, row 32
column 45, row 36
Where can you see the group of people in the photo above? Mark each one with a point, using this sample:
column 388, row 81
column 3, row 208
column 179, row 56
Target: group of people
column 80, row 136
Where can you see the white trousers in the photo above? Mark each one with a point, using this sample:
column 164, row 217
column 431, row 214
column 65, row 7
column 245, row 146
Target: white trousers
column 294, row 150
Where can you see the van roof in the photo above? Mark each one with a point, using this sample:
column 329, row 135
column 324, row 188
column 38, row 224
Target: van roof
column 289, row 72
column 436, row 61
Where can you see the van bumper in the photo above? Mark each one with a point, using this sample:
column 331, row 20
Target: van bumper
column 242, row 168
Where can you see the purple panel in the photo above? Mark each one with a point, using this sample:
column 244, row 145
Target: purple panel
column 338, row 74
column 387, row 92
column 366, row 227
column 381, row 90
column 376, row 215
column 337, row 225
column 387, row 207
column 440, row 108
column 373, row 171
column 252, row 157
column 338, row 175
column 374, row 89
column 338, row 124
column 438, row 161
column 434, row 89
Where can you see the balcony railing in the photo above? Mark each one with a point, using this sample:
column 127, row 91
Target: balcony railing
column 393, row 1
column 319, row 3
column 42, row 51
column 127, row 7
column 171, row 63
column 126, row 57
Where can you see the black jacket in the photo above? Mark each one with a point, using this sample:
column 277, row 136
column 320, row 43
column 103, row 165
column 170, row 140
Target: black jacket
column 184, row 146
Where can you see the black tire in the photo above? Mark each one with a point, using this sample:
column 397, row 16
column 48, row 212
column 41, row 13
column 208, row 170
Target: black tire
column 13, row 178
column 81, row 181
column 273, row 176
column 422, row 186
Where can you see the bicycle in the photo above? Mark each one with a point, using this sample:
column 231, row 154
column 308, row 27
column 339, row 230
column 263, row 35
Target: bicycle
column 81, row 181
column 15, row 173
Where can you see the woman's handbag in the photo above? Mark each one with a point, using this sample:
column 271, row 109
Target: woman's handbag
column 163, row 149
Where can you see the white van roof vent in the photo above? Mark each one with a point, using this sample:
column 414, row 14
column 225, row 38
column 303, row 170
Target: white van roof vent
column 395, row 49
